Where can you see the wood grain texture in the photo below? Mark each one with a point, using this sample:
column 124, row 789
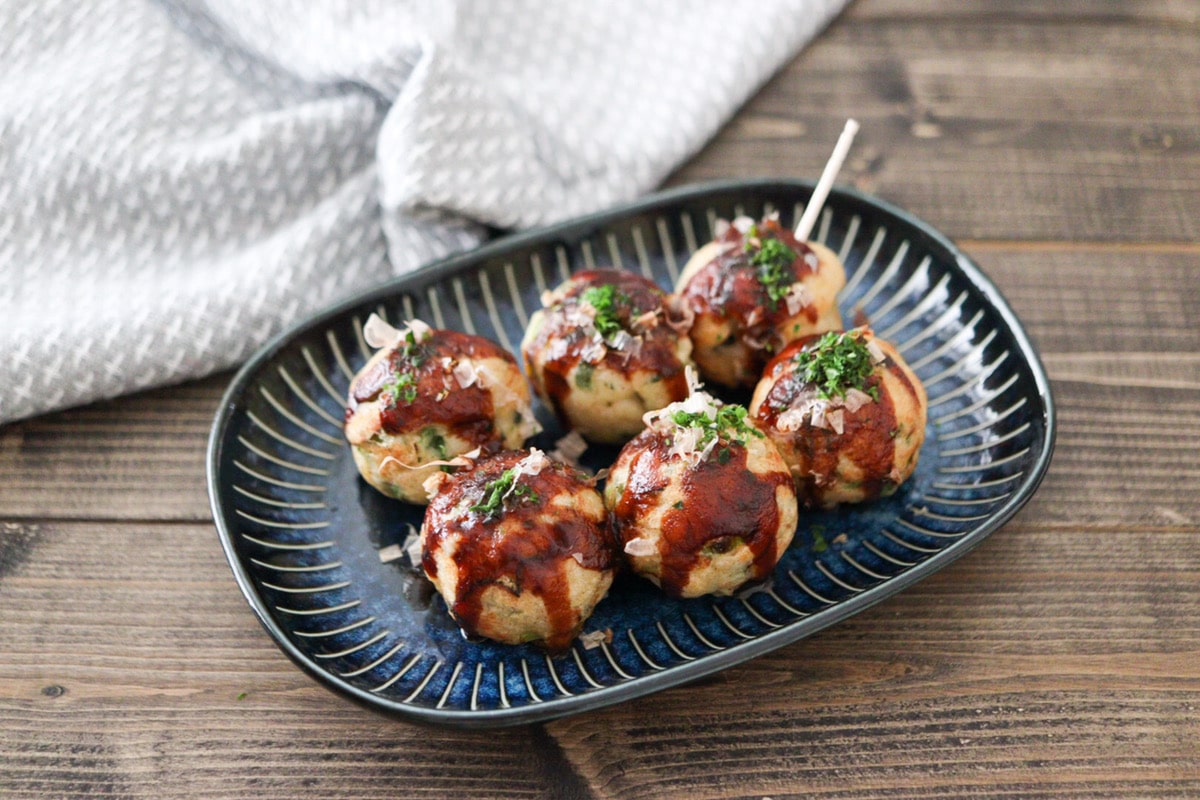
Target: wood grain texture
column 1003, row 124
column 1113, row 392
column 1060, row 659
column 132, row 668
column 100, row 462
column 1127, row 12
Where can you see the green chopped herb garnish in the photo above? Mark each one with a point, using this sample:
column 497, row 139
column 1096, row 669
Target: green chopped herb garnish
column 403, row 387
column 774, row 261
column 730, row 421
column 501, row 489
column 433, row 440
column 837, row 363
column 412, row 352
column 819, row 544
column 583, row 375
column 605, row 300
column 678, row 504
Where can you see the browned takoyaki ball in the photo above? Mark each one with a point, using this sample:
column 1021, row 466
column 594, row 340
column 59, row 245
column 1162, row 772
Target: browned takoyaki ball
column 753, row 289
column 428, row 396
column 701, row 501
column 606, row 349
column 518, row 547
column 847, row 414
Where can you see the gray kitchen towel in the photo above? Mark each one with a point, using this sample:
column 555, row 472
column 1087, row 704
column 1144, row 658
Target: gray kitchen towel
column 180, row 179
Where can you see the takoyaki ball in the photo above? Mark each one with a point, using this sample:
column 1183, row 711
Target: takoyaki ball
column 847, row 414
column 754, row 288
column 605, row 350
column 518, row 547
column 428, row 396
column 701, row 501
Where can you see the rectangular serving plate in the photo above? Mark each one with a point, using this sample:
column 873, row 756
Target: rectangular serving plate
column 302, row 532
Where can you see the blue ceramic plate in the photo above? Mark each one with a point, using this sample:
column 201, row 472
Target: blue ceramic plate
column 302, row 531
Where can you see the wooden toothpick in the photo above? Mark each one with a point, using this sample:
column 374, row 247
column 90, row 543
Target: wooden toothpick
column 805, row 225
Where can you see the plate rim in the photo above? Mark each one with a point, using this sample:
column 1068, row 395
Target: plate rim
column 688, row 671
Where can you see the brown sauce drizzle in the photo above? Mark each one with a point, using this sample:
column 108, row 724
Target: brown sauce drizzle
column 657, row 354
column 517, row 550
column 721, row 502
column 866, row 437
column 466, row 412
column 645, row 483
column 728, row 286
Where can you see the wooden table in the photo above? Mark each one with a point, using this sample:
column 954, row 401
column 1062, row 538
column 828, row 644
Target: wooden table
column 1059, row 144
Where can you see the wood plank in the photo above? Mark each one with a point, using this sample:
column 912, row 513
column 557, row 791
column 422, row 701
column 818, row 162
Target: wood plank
column 134, row 668
column 1059, row 659
column 137, row 457
column 157, row 602
column 1027, row 744
column 53, row 747
column 1127, row 12
column 992, row 125
column 1045, row 664
column 1115, row 415
column 1121, row 351
column 1121, row 460
column 1119, row 341
column 1066, row 650
column 153, row 608
column 1097, row 301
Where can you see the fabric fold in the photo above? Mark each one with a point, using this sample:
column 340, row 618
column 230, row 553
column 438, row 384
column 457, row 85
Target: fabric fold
column 180, row 181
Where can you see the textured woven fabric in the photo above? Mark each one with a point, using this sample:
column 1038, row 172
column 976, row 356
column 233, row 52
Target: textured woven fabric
column 180, row 180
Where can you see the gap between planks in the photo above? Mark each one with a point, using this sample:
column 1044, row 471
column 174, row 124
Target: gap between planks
column 1067, row 246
